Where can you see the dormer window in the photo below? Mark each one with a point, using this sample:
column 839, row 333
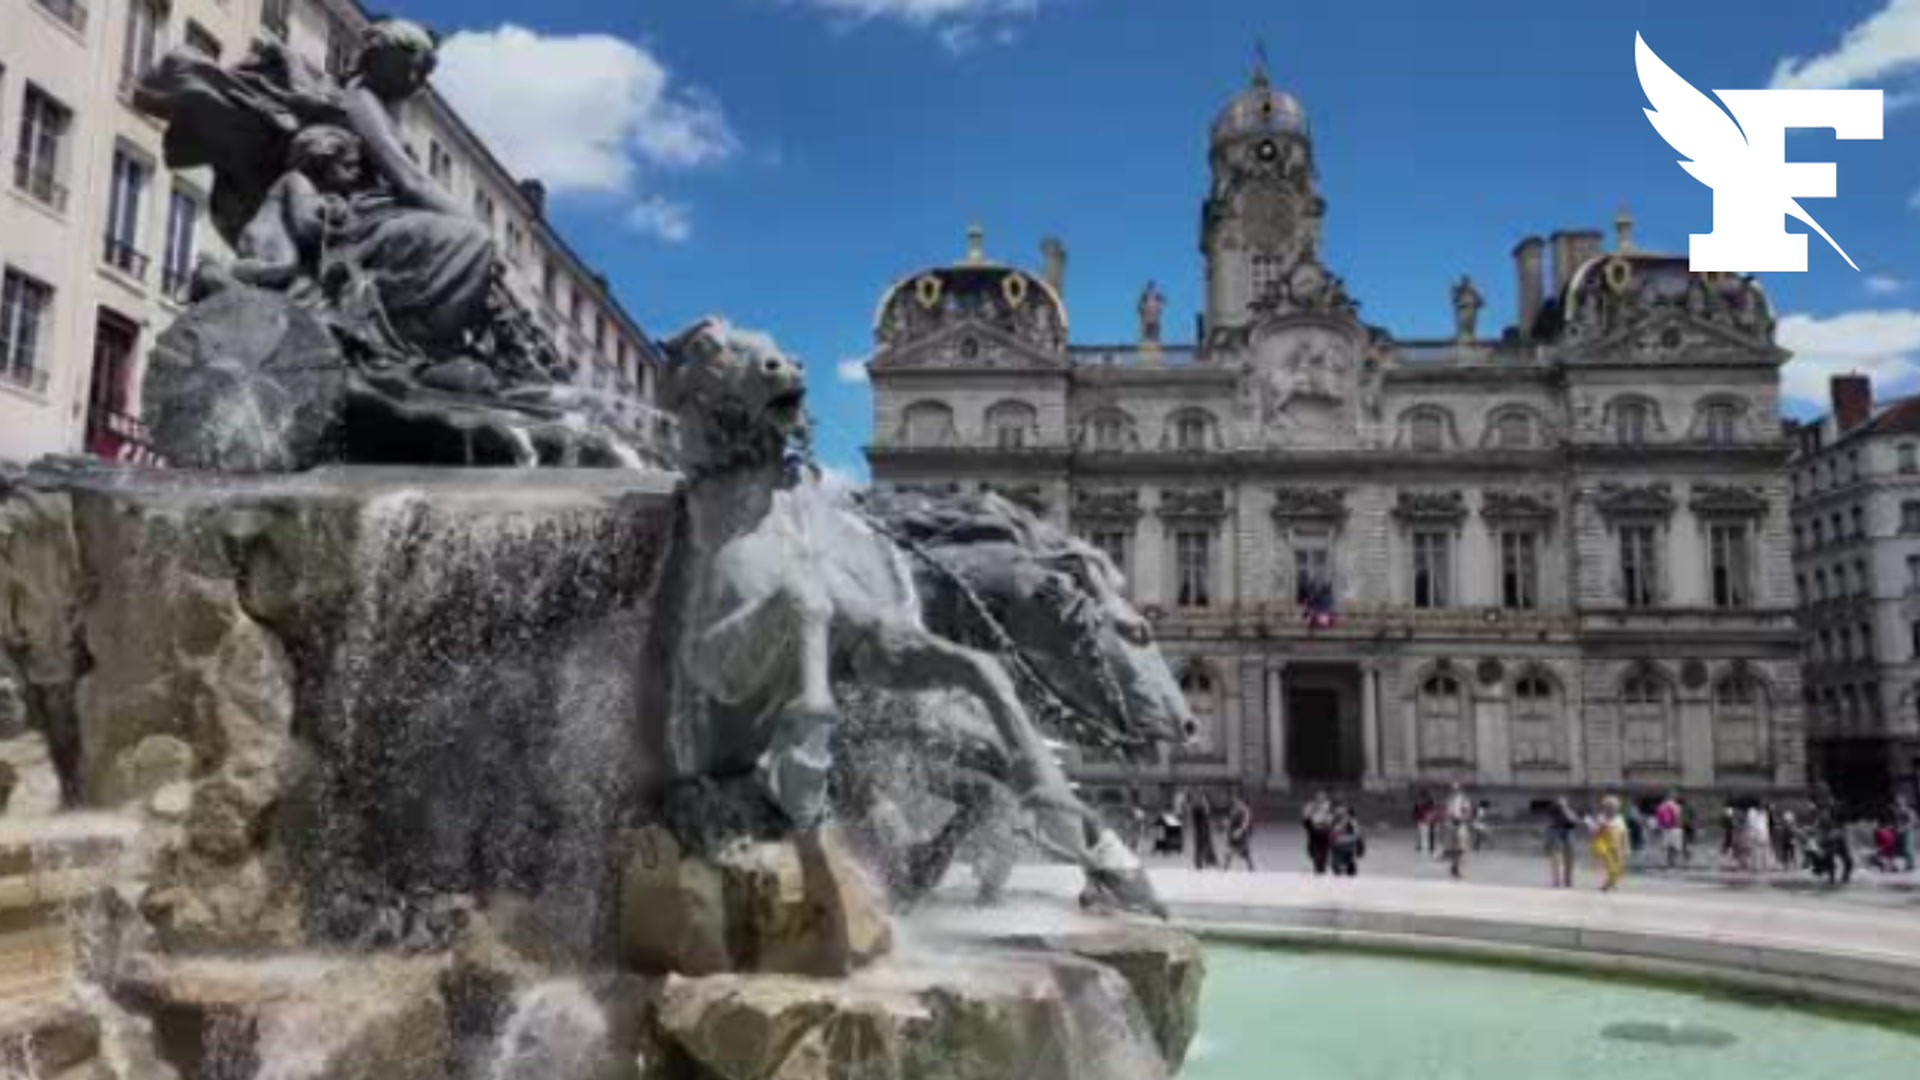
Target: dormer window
column 1720, row 424
column 1632, row 421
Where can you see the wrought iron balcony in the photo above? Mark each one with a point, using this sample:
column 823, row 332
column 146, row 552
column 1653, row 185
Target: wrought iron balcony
column 125, row 258
column 118, row 436
column 39, row 179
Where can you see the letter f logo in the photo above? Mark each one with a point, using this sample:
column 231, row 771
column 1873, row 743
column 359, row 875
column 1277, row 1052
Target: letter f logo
column 1745, row 162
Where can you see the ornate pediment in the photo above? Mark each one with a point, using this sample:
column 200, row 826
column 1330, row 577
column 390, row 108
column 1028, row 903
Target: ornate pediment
column 968, row 344
column 1656, row 310
column 1431, row 507
column 1193, row 503
column 1634, row 500
column 1518, row 507
column 1728, row 500
column 1113, row 504
column 1309, row 504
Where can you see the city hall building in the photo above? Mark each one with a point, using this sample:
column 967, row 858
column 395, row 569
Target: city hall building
column 1554, row 557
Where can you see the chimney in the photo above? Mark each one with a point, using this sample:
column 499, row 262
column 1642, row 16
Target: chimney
column 1053, row 260
column 1852, row 400
column 1623, row 229
column 1562, row 244
column 536, row 193
column 1527, row 258
column 1583, row 245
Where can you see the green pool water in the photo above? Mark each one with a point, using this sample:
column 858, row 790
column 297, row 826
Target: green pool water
column 1281, row 1015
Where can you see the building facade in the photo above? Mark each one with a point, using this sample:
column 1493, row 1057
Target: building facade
column 1556, row 558
column 98, row 238
column 1856, row 541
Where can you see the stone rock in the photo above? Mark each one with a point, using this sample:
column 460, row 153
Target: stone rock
column 35, row 788
column 1164, row 967
column 154, row 762
column 801, row 907
column 47, row 1037
column 320, row 1019
column 984, row 1016
column 198, row 904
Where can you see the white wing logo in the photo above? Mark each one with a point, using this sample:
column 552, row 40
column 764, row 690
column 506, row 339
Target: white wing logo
column 1751, row 165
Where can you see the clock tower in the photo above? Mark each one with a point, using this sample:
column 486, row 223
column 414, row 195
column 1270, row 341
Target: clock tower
column 1260, row 229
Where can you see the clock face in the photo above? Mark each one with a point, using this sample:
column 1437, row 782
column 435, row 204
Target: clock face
column 1269, row 151
column 1270, row 219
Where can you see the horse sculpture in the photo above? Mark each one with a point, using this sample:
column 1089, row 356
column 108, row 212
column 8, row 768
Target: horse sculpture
column 788, row 592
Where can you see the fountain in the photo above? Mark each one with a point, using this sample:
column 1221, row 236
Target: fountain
column 340, row 757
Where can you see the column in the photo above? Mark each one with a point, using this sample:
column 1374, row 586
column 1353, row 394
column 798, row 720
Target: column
column 1276, row 727
column 1370, row 725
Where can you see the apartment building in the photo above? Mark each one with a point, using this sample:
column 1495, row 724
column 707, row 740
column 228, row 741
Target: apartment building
column 98, row 238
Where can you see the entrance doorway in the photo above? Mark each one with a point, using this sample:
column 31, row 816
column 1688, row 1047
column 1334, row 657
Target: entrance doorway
column 1325, row 744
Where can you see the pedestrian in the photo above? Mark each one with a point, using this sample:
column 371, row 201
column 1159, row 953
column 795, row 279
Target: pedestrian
column 1424, row 813
column 1831, row 828
column 1906, row 821
column 1787, row 840
column 1347, row 846
column 1886, row 847
column 1759, row 839
column 1610, row 842
column 1458, row 828
column 1201, row 822
column 1317, row 819
column 1730, row 835
column 1690, row 830
column 1482, row 825
column 1562, row 824
column 1673, row 834
column 1240, row 832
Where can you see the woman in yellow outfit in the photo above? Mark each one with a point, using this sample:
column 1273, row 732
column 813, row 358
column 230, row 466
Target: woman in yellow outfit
column 1610, row 842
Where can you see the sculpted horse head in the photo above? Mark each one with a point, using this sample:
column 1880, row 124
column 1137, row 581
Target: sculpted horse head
column 1061, row 606
column 741, row 400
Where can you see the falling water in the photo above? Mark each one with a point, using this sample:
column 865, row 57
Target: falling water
column 557, row 1031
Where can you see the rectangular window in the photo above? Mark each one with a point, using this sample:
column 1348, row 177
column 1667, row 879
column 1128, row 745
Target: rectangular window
column 71, row 12
column 183, row 221
column 40, row 155
column 1519, row 570
column 1268, row 273
column 1193, row 558
column 439, row 164
column 1312, row 566
column 274, row 16
column 25, row 314
column 1432, row 584
column 1909, row 459
column 1630, row 423
column 515, row 241
column 1190, row 433
column 1113, row 542
column 201, row 40
column 1910, row 517
column 483, row 207
column 1913, row 640
column 129, row 192
column 1913, row 573
column 1732, row 565
column 1639, row 566
column 145, row 21
column 550, row 284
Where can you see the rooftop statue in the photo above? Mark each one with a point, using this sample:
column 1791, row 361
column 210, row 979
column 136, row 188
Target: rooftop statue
column 366, row 315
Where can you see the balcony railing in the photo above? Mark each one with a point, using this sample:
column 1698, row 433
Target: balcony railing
column 38, row 179
column 118, row 436
column 71, row 12
column 125, row 258
column 176, row 283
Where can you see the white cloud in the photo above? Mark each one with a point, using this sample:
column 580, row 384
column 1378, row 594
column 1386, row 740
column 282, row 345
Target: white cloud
column 1884, row 284
column 1886, row 43
column 583, row 113
column 852, row 370
column 661, row 217
column 1882, row 344
column 959, row 25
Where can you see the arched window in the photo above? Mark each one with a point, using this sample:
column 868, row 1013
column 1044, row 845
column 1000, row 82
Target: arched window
column 1013, row 425
column 1719, row 423
column 1538, row 731
column 1739, row 723
column 1633, row 421
column 929, row 423
column 1203, row 701
column 1445, row 732
column 1646, row 729
column 1190, row 430
column 1108, row 431
column 1427, row 429
column 1513, row 429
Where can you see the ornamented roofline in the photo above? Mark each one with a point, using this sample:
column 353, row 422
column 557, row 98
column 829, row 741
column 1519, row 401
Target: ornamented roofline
column 1618, row 500
column 1323, row 504
column 1448, row 507
column 1517, row 506
column 1110, row 504
column 1729, row 500
column 1193, row 502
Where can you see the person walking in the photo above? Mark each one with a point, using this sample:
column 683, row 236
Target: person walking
column 1906, row 822
column 1831, row 830
column 1425, row 811
column 1205, row 857
column 1317, row 819
column 1673, row 834
column 1459, row 830
column 1759, row 838
column 1346, row 845
column 1562, row 824
column 1610, row 842
column 1240, row 832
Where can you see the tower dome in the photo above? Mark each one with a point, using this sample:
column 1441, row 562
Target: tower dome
column 1260, row 110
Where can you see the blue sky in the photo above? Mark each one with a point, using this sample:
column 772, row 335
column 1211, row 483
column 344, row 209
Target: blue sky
column 783, row 161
